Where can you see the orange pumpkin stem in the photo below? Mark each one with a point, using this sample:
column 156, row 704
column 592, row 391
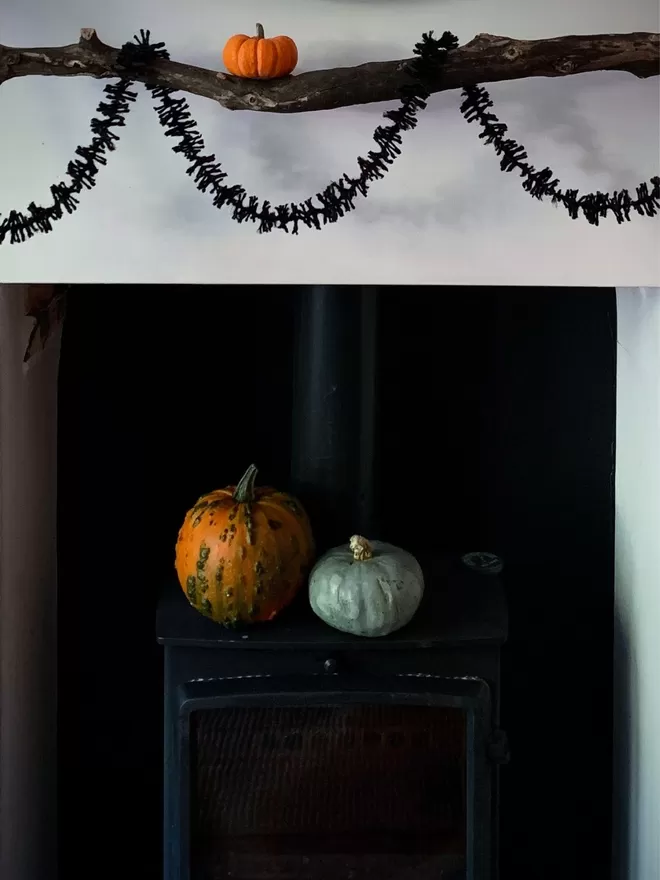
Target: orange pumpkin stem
column 244, row 491
column 260, row 31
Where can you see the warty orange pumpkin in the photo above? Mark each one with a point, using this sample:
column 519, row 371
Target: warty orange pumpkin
column 260, row 57
column 243, row 552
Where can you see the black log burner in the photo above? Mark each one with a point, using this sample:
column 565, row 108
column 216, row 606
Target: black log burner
column 296, row 752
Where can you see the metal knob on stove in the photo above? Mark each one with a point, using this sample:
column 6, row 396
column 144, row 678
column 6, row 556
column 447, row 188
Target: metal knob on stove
column 330, row 665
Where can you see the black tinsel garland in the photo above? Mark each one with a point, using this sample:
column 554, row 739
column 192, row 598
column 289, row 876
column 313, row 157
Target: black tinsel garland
column 174, row 115
column 543, row 184
column 337, row 199
column 82, row 172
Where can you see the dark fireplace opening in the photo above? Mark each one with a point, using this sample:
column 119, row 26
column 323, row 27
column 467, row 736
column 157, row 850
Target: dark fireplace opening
column 493, row 417
column 325, row 792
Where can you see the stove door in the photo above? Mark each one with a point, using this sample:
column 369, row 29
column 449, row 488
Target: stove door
column 327, row 777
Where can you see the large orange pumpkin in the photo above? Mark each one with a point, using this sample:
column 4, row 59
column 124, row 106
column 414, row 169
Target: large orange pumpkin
column 259, row 57
column 243, row 552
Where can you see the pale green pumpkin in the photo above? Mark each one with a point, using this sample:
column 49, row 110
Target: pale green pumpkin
column 367, row 588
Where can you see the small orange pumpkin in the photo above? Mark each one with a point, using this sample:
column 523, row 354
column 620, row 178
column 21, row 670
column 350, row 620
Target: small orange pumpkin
column 243, row 553
column 258, row 57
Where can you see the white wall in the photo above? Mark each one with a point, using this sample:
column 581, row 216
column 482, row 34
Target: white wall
column 28, row 598
column 445, row 213
column 637, row 588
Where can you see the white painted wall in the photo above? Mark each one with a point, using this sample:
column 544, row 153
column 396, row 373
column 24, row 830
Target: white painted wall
column 28, row 598
column 637, row 644
column 445, row 213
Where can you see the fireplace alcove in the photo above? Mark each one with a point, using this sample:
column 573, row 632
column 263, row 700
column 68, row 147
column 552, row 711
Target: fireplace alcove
column 165, row 394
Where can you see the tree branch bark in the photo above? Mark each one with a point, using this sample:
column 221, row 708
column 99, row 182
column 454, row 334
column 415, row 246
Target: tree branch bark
column 485, row 59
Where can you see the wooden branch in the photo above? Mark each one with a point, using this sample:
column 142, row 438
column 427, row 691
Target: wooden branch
column 485, row 59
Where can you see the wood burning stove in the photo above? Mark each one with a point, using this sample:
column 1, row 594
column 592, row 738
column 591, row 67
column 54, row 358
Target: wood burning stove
column 297, row 752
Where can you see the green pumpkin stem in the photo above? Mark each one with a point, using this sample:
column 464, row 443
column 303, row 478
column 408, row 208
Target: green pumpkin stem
column 260, row 31
column 244, row 492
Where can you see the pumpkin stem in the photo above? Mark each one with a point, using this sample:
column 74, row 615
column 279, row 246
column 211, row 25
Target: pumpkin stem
column 260, row 31
column 362, row 549
column 244, row 492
